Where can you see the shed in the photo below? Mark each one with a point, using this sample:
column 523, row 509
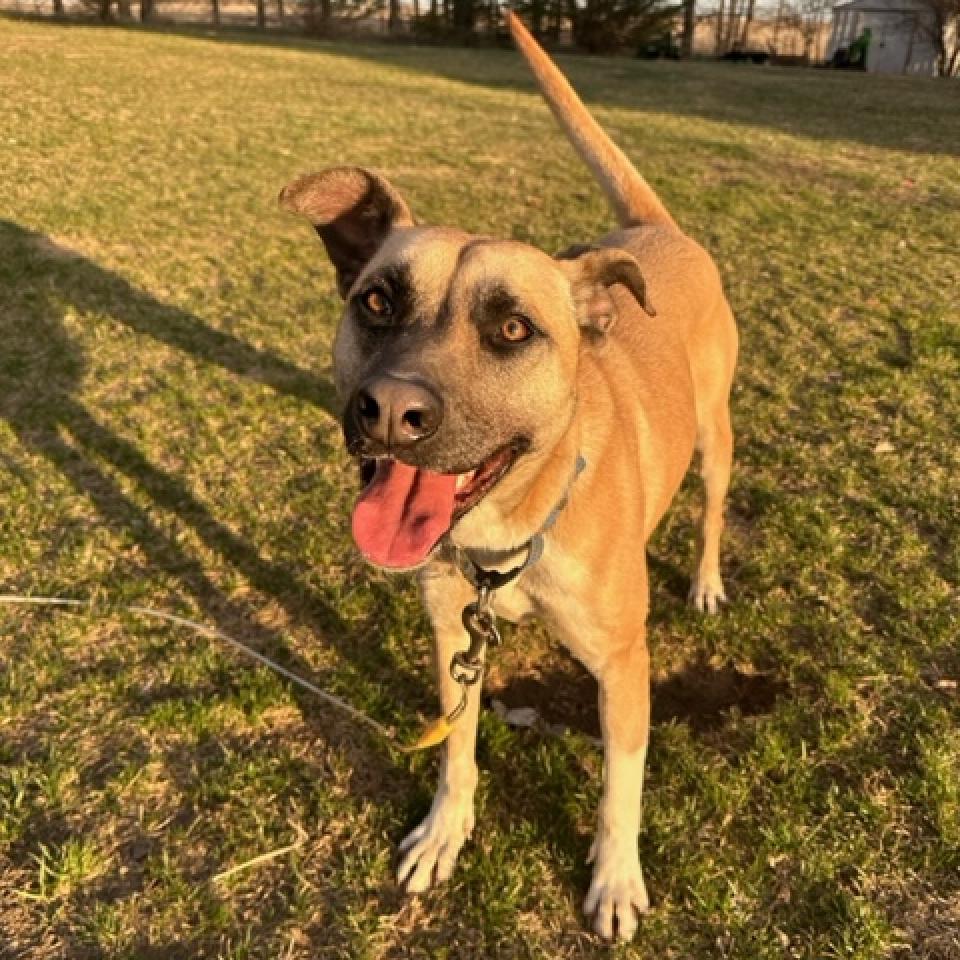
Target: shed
column 898, row 41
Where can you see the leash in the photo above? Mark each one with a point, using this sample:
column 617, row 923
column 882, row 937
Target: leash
column 480, row 622
column 211, row 632
column 466, row 666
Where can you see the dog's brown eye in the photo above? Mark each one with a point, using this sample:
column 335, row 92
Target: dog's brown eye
column 515, row 330
column 376, row 302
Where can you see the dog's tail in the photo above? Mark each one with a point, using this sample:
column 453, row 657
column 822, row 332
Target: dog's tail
column 632, row 197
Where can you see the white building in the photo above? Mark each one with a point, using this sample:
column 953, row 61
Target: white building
column 898, row 41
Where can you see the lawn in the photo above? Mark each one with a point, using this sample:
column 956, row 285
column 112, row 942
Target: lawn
column 168, row 439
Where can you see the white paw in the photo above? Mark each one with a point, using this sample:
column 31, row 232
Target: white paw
column 616, row 896
column 706, row 594
column 430, row 851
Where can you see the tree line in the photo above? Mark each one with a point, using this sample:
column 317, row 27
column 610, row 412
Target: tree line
column 645, row 27
column 595, row 26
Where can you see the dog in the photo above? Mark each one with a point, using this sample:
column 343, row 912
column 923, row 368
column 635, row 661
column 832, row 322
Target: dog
column 522, row 422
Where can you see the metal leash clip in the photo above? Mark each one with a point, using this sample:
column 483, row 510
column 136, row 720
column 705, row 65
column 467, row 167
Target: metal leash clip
column 466, row 666
column 480, row 623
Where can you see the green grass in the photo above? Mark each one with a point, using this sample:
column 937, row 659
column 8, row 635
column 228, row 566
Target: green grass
column 166, row 439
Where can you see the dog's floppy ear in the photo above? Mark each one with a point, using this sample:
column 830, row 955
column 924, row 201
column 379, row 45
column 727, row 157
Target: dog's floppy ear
column 353, row 210
column 592, row 272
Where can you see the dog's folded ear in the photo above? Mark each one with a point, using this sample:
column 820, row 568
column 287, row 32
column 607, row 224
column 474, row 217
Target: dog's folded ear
column 592, row 272
column 353, row 210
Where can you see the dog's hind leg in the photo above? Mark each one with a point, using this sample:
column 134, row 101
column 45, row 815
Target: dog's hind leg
column 715, row 444
column 430, row 851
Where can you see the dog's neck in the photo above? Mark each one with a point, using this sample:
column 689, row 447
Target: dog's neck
column 498, row 533
column 495, row 569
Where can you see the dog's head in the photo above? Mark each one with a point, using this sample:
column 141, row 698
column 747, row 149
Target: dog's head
column 456, row 358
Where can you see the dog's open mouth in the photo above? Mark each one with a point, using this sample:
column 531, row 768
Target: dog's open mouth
column 403, row 511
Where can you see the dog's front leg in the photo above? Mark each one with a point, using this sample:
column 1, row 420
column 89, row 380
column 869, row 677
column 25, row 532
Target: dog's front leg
column 430, row 851
column 617, row 892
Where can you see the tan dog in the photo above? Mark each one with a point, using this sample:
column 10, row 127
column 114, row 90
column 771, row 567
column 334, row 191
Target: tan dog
column 502, row 401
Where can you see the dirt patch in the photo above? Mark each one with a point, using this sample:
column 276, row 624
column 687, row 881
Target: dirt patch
column 700, row 694
column 703, row 694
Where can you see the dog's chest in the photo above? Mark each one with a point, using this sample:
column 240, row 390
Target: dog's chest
column 559, row 607
column 513, row 603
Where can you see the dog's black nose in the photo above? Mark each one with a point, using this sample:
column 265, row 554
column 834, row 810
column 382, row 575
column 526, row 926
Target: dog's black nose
column 395, row 412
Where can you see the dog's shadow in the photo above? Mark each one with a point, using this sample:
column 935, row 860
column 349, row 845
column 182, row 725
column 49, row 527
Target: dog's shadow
column 42, row 370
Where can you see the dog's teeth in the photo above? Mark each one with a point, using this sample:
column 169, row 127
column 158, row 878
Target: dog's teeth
column 464, row 478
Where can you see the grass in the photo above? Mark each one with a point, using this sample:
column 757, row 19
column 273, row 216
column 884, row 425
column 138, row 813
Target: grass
column 167, row 439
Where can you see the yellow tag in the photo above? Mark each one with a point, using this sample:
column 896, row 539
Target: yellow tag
column 435, row 732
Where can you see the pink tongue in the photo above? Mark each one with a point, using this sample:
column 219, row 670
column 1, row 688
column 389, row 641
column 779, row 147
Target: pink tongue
column 401, row 515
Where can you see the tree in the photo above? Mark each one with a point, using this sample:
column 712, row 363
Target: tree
column 734, row 18
column 718, row 35
column 545, row 17
column 689, row 26
column 536, row 18
column 807, row 18
column 602, row 26
column 319, row 16
column 464, row 16
column 939, row 22
column 747, row 22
